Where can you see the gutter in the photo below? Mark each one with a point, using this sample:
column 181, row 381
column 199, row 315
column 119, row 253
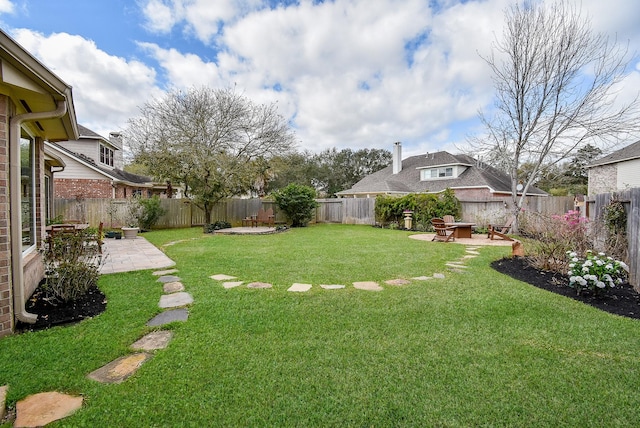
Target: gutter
column 17, row 266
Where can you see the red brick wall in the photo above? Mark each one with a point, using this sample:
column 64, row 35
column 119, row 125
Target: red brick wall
column 69, row 188
column 6, row 296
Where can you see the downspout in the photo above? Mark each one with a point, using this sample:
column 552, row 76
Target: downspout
column 17, row 267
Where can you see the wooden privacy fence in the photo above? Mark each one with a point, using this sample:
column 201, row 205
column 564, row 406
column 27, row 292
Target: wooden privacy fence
column 631, row 199
column 182, row 213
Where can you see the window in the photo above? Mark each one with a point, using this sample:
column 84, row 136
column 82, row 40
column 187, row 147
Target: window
column 106, row 155
column 433, row 173
column 28, row 193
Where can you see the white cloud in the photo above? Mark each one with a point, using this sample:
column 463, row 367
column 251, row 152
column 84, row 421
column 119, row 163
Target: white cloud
column 106, row 89
column 6, row 6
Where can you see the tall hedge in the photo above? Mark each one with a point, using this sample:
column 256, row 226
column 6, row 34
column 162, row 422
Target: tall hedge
column 424, row 206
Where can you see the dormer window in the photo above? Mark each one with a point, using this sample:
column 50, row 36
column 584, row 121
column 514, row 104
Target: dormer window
column 435, row 173
column 106, row 155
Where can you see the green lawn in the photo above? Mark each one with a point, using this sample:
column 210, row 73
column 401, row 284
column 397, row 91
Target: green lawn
column 476, row 348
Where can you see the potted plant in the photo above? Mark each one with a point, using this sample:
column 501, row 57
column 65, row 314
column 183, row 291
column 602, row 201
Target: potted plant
column 132, row 214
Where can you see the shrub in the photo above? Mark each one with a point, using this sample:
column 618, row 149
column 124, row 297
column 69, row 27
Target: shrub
column 389, row 209
column 212, row 227
column 552, row 236
column 150, row 212
column 297, row 202
column 595, row 272
column 72, row 262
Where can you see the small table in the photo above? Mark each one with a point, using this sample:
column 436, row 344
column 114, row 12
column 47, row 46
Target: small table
column 462, row 230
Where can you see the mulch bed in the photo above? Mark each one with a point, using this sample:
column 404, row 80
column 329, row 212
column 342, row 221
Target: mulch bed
column 51, row 312
column 622, row 300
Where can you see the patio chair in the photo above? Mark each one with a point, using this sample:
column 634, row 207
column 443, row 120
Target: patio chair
column 265, row 217
column 501, row 231
column 449, row 219
column 444, row 233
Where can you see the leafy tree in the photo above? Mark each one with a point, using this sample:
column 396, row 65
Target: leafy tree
column 295, row 167
column 576, row 171
column 215, row 143
column 547, row 106
column 298, row 203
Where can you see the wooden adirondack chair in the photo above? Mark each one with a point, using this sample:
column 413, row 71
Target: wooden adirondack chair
column 444, row 233
column 501, row 231
column 449, row 219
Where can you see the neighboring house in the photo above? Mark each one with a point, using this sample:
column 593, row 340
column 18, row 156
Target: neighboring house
column 94, row 169
column 433, row 173
column 35, row 106
column 618, row 171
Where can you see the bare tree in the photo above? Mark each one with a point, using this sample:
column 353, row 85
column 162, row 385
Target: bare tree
column 216, row 143
column 556, row 83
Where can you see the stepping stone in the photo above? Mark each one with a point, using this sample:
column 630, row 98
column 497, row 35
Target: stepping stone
column 3, row 401
column 300, row 288
column 472, row 248
column 41, row 409
column 153, row 341
column 167, row 317
column 475, row 253
column 438, row 275
column 259, row 285
column 422, row 278
column 469, row 256
column 168, row 278
column 456, row 265
column 172, row 287
column 367, row 285
column 164, row 272
column 120, row 369
column 222, row 277
column 231, row 284
column 332, row 286
column 175, row 300
column 397, row 282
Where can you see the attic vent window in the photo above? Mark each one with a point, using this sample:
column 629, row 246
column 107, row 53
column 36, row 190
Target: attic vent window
column 106, row 155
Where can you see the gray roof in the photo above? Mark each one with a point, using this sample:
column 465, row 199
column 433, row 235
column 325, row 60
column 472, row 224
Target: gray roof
column 632, row 151
column 115, row 173
column 477, row 174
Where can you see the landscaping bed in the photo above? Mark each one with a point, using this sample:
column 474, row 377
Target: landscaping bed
column 621, row 300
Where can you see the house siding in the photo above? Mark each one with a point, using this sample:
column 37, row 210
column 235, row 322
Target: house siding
column 603, row 179
column 628, row 174
column 478, row 194
column 6, row 296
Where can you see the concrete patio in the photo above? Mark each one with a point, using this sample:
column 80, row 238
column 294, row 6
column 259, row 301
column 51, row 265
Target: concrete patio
column 124, row 255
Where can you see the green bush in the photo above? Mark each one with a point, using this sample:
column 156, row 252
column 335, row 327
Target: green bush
column 150, row 212
column 212, row 227
column 297, row 202
column 72, row 262
column 389, row 209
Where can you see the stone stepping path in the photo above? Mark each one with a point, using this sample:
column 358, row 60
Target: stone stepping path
column 259, row 285
column 120, row 369
column 168, row 278
column 232, row 284
column 367, row 285
column 173, row 287
column 41, row 409
column 300, row 288
column 153, row 341
column 175, row 300
column 222, row 277
column 332, row 286
column 164, row 272
column 168, row 317
column 397, row 282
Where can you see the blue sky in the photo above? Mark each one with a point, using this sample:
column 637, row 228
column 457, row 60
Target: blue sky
column 346, row 73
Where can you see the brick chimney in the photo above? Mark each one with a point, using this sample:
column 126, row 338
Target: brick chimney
column 397, row 157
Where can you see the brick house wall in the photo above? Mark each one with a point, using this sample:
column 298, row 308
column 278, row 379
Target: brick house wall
column 69, row 188
column 6, row 313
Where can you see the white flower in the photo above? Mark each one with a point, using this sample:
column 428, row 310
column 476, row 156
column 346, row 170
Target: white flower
column 575, row 260
column 609, row 266
column 601, row 254
column 572, row 265
column 587, row 263
column 582, row 281
column 624, row 266
column 599, row 262
column 585, row 269
column 600, row 284
column 573, row 254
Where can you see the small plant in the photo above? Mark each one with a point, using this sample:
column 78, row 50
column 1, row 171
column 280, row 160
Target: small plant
column 133, row 211
column 298, row 203
column 615, row 216
column 595, row 272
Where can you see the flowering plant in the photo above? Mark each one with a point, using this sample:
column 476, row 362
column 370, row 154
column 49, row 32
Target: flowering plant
column 595, row 272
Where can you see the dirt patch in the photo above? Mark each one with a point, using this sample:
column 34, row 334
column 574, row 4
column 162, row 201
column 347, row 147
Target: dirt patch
column 622, row 300
column 51, row 312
